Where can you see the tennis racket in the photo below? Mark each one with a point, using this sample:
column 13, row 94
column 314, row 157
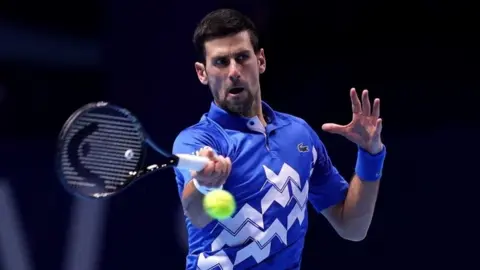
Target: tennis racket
column 102, row 148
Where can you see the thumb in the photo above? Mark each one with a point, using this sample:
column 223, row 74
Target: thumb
column 210, row 154
column 333, row 128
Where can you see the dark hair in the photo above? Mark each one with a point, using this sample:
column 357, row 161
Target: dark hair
column 222, row 23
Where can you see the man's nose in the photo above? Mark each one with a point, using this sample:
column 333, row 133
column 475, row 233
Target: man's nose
column 234, row 72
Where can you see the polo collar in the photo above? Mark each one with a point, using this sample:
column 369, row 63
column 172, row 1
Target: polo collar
column 235, row 122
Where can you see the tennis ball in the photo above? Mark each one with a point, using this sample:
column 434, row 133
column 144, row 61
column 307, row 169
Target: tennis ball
column 219, row 204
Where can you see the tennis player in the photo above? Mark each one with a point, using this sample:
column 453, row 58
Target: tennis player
column 272, row 162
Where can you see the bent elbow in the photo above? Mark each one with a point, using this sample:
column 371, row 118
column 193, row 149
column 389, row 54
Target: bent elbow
column 198, row 220
column 198, row 223
column 354, row 235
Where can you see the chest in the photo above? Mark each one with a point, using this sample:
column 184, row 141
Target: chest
column 262, row 161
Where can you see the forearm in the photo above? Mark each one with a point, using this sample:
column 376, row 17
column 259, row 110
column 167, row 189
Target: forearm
column 352, row 218
column 192, row 202
column 358, row 208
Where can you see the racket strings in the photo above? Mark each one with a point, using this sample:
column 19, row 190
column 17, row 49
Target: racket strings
column 106, row 156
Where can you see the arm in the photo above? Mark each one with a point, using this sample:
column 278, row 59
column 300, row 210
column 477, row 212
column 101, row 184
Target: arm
column 191, row 193
column 348, row 208
column 192, row 202
column 352, row 217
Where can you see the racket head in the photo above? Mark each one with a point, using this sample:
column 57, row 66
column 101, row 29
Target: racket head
column 100, row 149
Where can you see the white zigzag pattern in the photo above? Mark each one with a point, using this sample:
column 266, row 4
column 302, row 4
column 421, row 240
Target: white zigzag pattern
column 298, row 211
column 279, row 191
column 220, row 259
column 247, row 224
column 251, row 232
column 247, row 214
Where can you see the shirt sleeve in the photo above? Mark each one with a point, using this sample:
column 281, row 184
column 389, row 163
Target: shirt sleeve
column 327, row 186
column 188, row 142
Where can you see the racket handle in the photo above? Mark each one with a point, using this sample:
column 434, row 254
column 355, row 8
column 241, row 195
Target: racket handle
column 191, row 162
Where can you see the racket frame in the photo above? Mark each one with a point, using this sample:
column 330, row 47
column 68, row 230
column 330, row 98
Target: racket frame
column 141, row 170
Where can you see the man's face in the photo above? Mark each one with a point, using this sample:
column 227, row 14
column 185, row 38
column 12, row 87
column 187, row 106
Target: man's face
column 232, row 72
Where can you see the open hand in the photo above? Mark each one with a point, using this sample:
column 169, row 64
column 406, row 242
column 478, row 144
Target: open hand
column 366, row 125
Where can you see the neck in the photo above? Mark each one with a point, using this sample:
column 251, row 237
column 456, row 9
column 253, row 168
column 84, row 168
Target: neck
column 257, row 110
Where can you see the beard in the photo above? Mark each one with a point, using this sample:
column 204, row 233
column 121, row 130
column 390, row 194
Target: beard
column 241, row 104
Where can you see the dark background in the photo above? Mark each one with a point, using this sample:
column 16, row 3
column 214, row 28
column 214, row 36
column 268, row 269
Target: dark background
column 420, row 57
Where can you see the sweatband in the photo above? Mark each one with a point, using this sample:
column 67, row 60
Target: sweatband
column 369, row 167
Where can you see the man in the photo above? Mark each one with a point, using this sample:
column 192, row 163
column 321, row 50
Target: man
column 271, row 162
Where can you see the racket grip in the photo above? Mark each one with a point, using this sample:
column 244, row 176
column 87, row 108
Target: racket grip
column 191, row 162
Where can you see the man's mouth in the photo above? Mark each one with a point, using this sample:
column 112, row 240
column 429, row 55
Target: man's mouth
column 235, row 90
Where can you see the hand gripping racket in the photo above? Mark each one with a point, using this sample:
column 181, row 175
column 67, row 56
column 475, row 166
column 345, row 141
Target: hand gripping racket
column 101, row 151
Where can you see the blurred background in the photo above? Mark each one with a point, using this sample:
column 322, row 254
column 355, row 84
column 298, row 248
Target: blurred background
column 420, row 57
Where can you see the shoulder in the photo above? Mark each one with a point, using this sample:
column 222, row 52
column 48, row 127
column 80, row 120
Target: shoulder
column 205, row 133
column 296, row 121
column 301, row 124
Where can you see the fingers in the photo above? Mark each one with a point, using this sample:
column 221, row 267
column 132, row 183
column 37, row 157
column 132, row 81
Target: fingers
column 356, row 105
column 207, row 152
column 208, row 170
column 221, row 166
column 216, row 171
column 222, row 169
column 366, row 108
column 376, row 108
column 379, row 126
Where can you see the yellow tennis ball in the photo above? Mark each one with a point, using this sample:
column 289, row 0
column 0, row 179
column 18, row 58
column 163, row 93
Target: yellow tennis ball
column 219, row 204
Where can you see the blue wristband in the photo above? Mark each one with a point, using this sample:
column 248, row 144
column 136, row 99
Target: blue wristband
column 369, row 167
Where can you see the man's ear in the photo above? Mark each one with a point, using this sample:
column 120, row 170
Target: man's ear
column 262, row 61
column 201, row 73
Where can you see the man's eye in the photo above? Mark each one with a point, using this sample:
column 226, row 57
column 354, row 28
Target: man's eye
column 221, row 62
column 242, row 58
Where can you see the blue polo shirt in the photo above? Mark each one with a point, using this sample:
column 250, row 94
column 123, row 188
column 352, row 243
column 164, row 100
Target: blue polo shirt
column 275, row 170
